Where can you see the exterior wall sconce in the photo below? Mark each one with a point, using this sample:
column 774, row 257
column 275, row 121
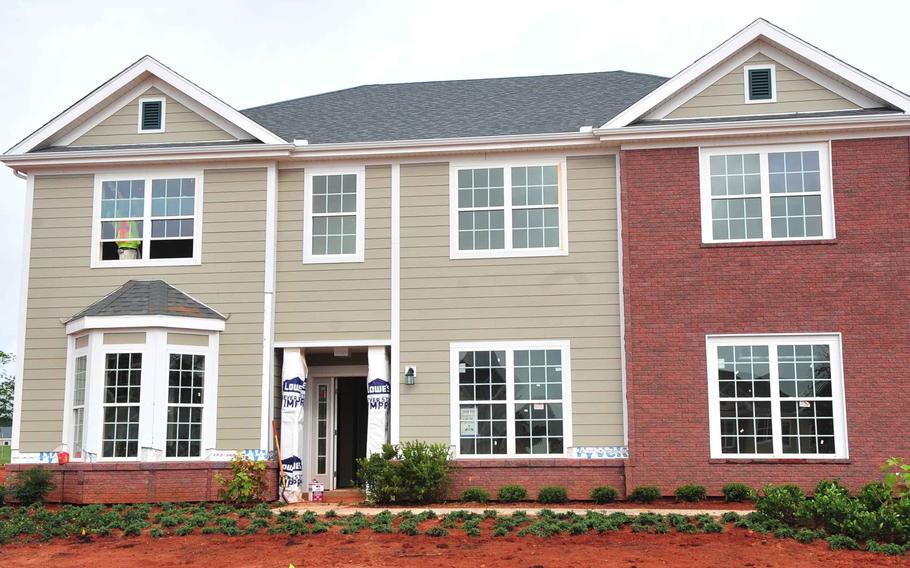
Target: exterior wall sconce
column 410, row 374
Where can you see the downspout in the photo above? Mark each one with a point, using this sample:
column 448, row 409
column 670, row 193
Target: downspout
column 19, row 174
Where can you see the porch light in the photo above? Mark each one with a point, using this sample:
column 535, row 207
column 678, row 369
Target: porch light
column 410, row 375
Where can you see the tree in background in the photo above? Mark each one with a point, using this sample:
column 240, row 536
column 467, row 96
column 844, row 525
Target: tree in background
column 6, row 390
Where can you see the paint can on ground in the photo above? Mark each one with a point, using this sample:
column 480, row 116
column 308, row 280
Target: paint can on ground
column 317, row 491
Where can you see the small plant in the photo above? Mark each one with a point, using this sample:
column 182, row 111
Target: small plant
column 414, row 472
column 805, row 536
column 729, row 517
column 552, row 495
column 691, row 493
column 263, row 511
column 891, row 549
column 437, row 531
column 604, row 494
column 784, row 503
column 512, row 493
column 475, row 495
column 156, row 532
column 737, row 492
column 331, row 514
column 644, row 494
column 841, row 542
column 246, row 484
column 2, row 493
column 32, row 486
column 185, row 530
column 874, row 495
column 897, row 476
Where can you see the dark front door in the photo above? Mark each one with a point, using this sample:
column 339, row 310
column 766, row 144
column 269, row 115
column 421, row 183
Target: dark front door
column 351, row 396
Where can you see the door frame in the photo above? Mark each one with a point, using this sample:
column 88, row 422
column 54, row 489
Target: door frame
column 331, row 374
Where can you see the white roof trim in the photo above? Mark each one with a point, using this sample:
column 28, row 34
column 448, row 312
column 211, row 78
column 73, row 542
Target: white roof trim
column 125, row 322
column 760, row 28
column 126, row 79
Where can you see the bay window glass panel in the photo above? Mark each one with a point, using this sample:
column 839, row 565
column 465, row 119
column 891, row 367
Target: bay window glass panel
column 122, row 385
column 186, row 378
column 79, row 377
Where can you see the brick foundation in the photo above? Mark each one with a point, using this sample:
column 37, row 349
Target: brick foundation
column 138, row 482
column 577, row 476
column 677, row 290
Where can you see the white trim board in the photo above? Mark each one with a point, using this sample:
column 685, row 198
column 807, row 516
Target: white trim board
column 760, row 29
column 139, row 70
column 23, row 305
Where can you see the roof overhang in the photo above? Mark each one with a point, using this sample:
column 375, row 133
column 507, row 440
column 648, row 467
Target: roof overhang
column 141, row 74
column 760, row 29
column 152, row 321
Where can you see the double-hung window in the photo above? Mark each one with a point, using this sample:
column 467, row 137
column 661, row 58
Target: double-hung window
column 766, row 193
column 186, row 383
column 508, row 209
column 147, row 219
column 511, row 399
column 122, row 399
column 776, row 396
column 78, row 412
column 334, row 203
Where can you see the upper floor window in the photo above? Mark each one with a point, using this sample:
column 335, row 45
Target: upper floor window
column 766, row 193
column 151, row 115
column 511, row 399
column 333, row 215
column 760, row 83
column 147, row 219
column 508, row 209
column 776, row 396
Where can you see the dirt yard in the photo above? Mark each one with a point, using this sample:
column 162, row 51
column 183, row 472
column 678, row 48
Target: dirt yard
column 733, row 547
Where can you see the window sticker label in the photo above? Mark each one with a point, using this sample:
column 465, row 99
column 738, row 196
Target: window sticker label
column 469, row 421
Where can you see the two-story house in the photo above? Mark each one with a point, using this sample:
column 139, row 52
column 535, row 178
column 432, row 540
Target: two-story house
column 591, row 279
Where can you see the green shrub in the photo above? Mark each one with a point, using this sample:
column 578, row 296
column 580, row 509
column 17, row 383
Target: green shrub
column 729, row 517
column 512, row 493
column 414, row 472
column 897, row 476
column 690, row 493
column 475, row 495
column 890, row 549
column 874, row 495
column 552, row 495
column 32, row 486
column 805, row 536
column 644, row 494
column 839, row 542
column 604, row 494
column 784, row 503
column 2, row 494
column 246, row 484
column 156, row 532
column 737, row 492
column 437, row 531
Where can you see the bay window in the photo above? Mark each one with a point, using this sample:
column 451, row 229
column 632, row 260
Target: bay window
column 776, row 396
column 511, row 399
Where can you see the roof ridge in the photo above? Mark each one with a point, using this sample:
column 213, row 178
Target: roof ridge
column 443, row 81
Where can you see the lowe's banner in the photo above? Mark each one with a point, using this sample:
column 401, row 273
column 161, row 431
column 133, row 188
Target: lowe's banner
column 293, row 398
column 379, row 395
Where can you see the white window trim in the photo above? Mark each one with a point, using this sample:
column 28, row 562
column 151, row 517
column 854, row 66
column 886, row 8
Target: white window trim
column 772, row 340
column 507, row 164
column 825, row 175
column 153, row 393
column 142, row 101
column 358, row 255
column 746, row 69
column 147, row 176
column 510, row 347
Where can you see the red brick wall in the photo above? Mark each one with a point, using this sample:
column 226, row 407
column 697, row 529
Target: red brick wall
column 678, row 290
column 578, row 477
column 139, row 482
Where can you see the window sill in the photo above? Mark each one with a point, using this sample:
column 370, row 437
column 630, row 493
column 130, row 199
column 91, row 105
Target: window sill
column 770, row 243
column 781, row 461
column 497, row 254
column 156, row 262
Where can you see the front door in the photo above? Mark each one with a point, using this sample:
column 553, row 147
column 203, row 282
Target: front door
column 323, row 440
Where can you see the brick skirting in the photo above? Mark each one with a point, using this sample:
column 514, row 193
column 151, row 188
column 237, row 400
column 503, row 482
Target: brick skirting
column 578, row 477
column 138, row 482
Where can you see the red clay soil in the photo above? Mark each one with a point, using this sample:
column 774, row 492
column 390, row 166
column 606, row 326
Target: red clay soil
column 660, row 504
column 734, row 547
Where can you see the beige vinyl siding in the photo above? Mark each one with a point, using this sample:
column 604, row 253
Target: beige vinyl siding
column 181, row 125
column 230, row 279
column 341, row 301
column 795, row 93
column 574, row 297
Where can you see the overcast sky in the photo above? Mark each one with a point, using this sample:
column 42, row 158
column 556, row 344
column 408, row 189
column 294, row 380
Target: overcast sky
column 259, row 51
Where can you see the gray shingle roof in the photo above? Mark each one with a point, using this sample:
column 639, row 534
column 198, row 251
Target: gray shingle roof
column 456, row 109
column 148, row 298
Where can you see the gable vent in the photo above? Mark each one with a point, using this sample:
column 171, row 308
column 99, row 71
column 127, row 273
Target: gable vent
column 151, row 115
column 760, row 84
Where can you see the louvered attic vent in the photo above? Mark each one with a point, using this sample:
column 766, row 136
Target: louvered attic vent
column 760, row 84
column 151, row 115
